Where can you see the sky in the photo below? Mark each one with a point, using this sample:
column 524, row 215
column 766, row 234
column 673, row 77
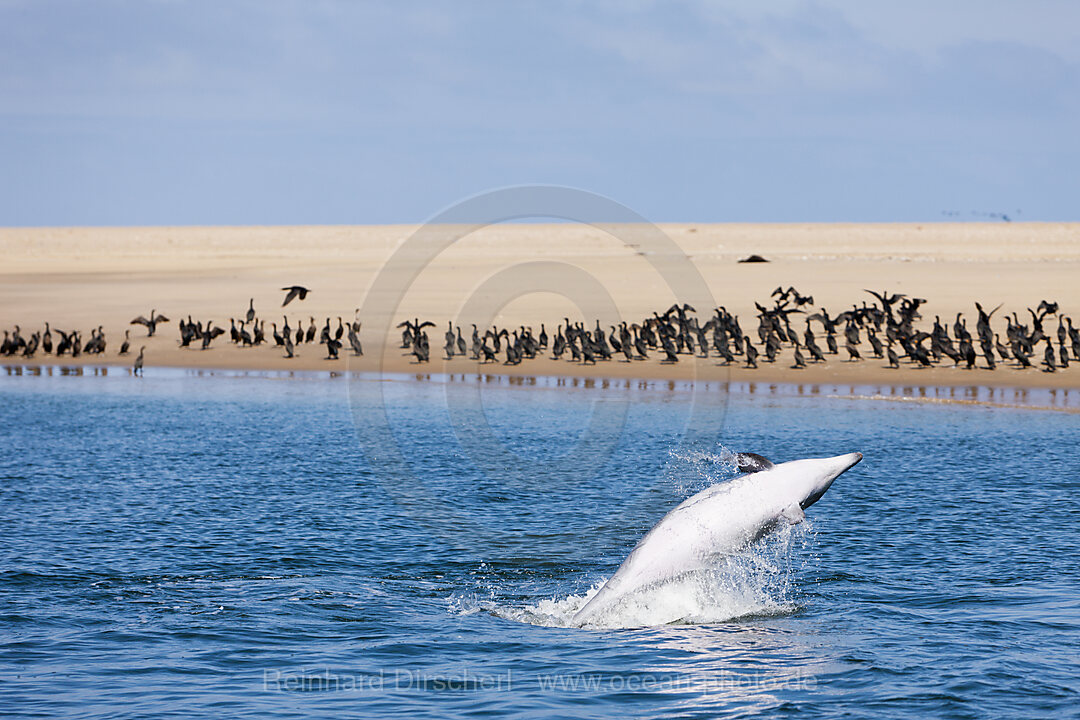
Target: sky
column 273, row 112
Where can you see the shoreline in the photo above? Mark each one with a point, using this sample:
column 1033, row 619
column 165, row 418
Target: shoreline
column 869, row 372
column 85, row 278
column 971, row 395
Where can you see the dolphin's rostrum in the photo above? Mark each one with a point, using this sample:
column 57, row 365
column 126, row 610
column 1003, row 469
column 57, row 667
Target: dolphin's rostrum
column 718, row 520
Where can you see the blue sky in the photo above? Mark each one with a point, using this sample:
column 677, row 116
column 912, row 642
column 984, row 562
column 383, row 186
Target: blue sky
column 161, row 112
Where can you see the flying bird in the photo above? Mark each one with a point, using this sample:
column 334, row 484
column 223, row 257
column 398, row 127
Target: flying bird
column 294, row 291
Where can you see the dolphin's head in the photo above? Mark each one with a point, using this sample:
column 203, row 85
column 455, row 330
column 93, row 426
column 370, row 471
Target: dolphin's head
column 807, row 480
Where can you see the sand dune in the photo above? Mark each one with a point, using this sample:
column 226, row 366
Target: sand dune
column 80, row 278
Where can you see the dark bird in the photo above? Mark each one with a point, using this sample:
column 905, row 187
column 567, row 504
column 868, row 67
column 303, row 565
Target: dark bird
column 451, row 341
column 799, row 361
column 251, row 310
column 354, row 339
column 874, row 343
column 151, row 323
column 1002, row 350
column 751, row 353
column 209, row 334
column 1048, row 358
column 1046, row 308
column 137, row 368
column 293, row 292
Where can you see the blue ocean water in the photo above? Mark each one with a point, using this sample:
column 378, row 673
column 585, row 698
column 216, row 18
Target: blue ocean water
column 191, row 545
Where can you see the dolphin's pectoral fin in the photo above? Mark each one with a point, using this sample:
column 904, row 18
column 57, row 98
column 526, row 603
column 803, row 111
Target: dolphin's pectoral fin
column 793, row 514
column 752, row 463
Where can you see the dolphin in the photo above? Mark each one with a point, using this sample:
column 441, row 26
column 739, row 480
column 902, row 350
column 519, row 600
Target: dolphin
column 720, row 520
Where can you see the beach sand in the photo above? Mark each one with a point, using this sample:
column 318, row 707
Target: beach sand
column 80, row 278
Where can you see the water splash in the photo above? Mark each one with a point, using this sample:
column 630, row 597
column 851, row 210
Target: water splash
column 756, row 581
column 694, row 470
column 753, row 583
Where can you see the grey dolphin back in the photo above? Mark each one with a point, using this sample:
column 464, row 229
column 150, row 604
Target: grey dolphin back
column 752, row 463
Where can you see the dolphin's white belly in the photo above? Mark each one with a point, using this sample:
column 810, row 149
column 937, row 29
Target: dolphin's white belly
column 718, row 520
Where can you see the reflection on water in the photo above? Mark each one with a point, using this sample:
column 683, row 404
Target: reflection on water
column 1065, row 399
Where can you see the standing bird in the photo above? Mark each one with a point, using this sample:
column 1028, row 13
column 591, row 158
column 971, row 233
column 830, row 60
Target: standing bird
column 127, row 343
column 354, row 339
column 894, row 361
column 476, row 343
column 461, row 342
column 800, row 362
column 294, row 291
column 874, row 342
column 751, row 353
column 137, row 368
column 451, row 341
column 1001, row 349
column 251, row 310
column 1048, row 357
column 151, row 324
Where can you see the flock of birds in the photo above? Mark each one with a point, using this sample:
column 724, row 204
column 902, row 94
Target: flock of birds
column 888, row 326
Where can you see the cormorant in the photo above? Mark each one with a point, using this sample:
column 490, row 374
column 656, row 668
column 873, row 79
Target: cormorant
column 294, row 291
column 354, row 339
column 751, row 353
column 137, row 368
column 151, row 324
column 799, row 361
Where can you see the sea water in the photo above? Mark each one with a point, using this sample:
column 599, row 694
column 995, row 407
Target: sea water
column 215, row 545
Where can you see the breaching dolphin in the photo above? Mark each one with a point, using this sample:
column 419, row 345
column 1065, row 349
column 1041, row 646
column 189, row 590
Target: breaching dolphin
column 719, row 520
